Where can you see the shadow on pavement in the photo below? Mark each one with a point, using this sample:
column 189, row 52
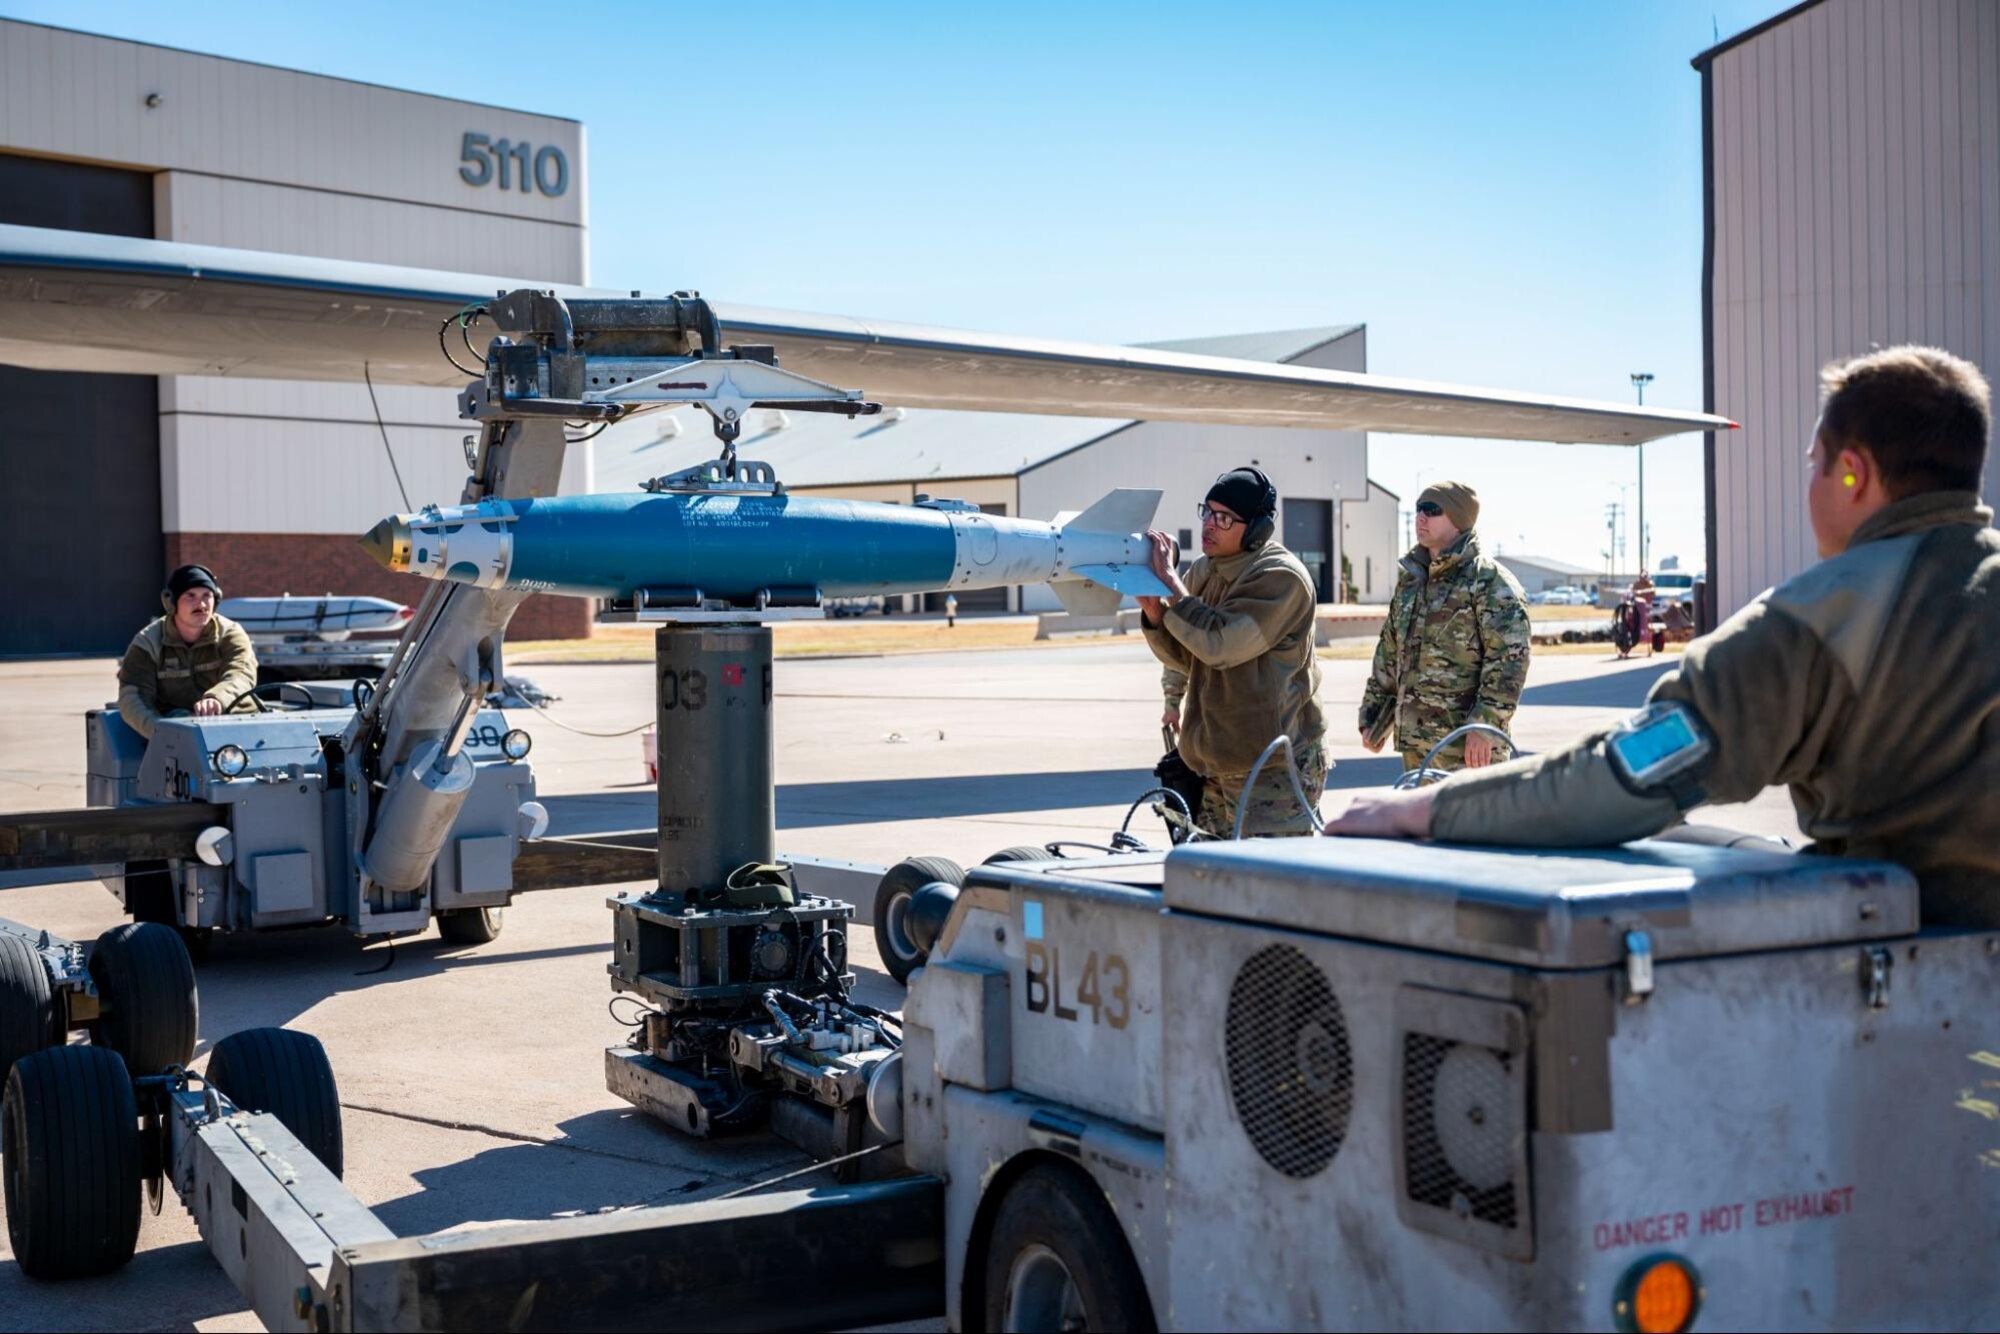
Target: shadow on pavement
column 1614, row 690
column 609, row 1159
column 239, row 989
column 177, row 1286
column 1375, row 771
column 817, row 805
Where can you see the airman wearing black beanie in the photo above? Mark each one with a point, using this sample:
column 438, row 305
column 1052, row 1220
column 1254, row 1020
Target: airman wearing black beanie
column 1239, row 632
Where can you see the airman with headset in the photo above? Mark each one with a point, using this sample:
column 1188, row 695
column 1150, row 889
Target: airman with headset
column 1869, row 684
column 1240, row 630
column 188, row 661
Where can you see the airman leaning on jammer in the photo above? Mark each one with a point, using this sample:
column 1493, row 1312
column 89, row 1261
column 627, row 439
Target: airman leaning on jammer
column 1869, row 684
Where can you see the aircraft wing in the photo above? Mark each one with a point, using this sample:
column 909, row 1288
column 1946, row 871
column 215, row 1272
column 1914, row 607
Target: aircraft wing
column 76, row 301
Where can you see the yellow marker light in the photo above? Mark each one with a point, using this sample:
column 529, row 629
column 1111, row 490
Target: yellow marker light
column 1661, row 1294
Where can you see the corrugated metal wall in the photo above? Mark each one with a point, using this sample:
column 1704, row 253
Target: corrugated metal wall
column 77, row 95
column 1854, row 187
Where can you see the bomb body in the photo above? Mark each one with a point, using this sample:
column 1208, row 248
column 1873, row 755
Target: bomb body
column 737, row 546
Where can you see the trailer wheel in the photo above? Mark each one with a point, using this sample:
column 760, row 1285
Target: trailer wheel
column 149, row 897
column 69, row 1151
column 146, row 980
column 901, row 955
column 27, row 1008
column 1057, row 1259
column 1020, row 854
column 286, row 1074
column 469, row 926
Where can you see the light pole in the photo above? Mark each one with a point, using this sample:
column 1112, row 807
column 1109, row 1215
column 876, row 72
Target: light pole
column 1640, row 379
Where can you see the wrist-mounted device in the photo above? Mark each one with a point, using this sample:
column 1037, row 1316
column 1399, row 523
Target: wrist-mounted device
column 1662, row 750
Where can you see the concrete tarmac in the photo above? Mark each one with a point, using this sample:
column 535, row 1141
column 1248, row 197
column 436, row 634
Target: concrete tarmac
column 472, row 1078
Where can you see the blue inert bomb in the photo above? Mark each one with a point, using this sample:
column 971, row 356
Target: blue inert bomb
column 734, row 547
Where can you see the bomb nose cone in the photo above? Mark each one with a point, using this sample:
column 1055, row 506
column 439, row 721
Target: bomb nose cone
column 389, row 543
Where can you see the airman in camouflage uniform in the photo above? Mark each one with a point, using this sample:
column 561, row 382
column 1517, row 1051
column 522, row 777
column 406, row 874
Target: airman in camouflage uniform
column 1454, row 647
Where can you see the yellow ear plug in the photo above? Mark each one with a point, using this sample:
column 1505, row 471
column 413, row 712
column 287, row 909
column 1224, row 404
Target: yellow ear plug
column 1848, row 480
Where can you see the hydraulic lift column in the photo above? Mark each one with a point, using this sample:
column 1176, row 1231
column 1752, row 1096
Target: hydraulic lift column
column 713, row 689
column 706, row 955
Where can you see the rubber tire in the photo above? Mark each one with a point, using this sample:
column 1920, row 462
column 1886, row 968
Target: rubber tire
column 69, row 1149
column 1020, row 854
column 902, row 881
column 470, row 926
column 146, row 980
column 287, row 1074
column 1061, row 1208
column 27, row 1008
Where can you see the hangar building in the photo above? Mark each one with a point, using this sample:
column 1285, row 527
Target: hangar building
column 1538, row 574
column 1852, row 152
column 265, row 481
column 268, row 482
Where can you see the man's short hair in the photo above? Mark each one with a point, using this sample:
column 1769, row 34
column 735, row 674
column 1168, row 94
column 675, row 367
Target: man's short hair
column 1921, row 413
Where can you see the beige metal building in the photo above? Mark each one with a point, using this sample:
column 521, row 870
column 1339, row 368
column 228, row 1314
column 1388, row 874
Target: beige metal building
column 1852, row 153
column 1371, row 537
column 265, row 481
column 1539, row 574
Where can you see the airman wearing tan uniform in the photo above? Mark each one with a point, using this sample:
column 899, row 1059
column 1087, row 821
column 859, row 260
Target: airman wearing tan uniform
column 1869, row 684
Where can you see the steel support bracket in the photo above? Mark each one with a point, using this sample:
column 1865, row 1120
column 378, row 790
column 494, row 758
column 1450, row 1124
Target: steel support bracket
column 1876, row 961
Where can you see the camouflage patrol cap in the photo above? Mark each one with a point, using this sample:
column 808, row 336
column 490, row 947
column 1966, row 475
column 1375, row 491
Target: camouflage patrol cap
column 1459, row 502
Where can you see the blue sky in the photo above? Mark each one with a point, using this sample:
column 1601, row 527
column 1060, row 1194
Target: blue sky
column 1507, row 195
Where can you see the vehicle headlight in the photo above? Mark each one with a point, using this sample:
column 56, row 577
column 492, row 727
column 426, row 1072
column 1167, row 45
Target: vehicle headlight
column 516, row 744
column 229, row 761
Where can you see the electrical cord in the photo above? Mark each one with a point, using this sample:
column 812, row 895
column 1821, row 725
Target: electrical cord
column 539, row 709
column 370, row 972
column 1424, row 775
column 456, row 365
column 804, row 1171
column 644, row 1010
column 465, row 323
column 1280, row 742
column 404, row 491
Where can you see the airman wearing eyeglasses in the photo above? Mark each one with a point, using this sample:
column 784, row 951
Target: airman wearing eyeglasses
column 1454, row 646
column 1239, row 630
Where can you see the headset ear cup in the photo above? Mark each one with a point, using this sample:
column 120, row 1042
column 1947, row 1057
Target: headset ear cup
column 166, row 599
column 1259, row 532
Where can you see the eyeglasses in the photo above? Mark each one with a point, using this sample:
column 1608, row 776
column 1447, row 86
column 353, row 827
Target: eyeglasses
column 1430, row 509
column 1222, row 519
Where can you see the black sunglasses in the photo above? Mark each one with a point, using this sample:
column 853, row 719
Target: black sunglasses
column 1430, row 509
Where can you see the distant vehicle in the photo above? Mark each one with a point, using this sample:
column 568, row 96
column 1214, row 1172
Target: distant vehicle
column 1674, row 586
column 1565, row 595
column 300, row 638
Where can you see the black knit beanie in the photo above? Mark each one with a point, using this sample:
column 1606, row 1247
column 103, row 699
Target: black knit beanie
column 191, row 576
column 1245, row 492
